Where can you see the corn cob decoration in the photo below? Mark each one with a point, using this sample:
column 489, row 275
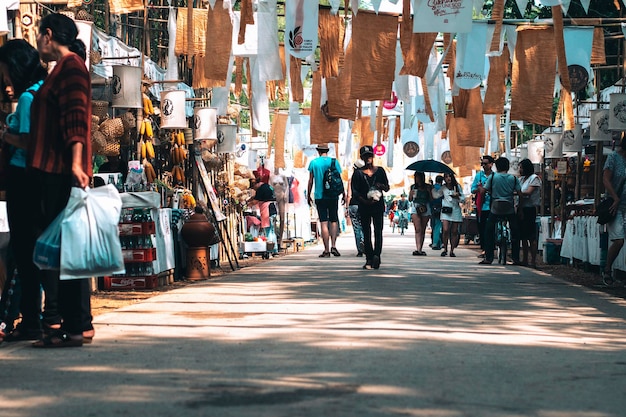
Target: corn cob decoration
column 147, row 105
column 178, row 155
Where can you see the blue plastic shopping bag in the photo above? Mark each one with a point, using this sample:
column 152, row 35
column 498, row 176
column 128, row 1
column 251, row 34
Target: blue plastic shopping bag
column 90, row 243
column 47, row 253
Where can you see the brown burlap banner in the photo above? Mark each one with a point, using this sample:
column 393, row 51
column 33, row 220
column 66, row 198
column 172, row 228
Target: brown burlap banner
column 322, row 130
column 471, row 128
column 534, row 68
column 415, row 47
column 366, row 134
column 196, row 45
column 330, row 32
column 199, row 79
column 277, row 138
column 338, row 89
column 598, row 55
column 460, row 103
column 298, row 159
column 427, row 106
column 496, row 83
column 295, row 82
column 465, row 158
column 374, row 55
column 125, row 6
column 379, row 123
column 247, row 18
column 218, row 43
column 238, row 75
column 566, row 86
column 497, row 14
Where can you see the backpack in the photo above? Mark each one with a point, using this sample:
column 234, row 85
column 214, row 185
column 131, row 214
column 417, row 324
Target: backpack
column 333, row 184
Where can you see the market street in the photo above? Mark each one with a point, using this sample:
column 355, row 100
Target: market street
column 304, row 336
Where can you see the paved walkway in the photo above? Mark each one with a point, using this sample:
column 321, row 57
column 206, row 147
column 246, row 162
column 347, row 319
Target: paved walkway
column 304, row 336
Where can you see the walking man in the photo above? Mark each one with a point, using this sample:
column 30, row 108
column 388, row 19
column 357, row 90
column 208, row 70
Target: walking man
column 327, row 205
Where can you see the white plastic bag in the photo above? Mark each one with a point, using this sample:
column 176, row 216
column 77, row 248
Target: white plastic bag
column 47, row 253
column 90, row 243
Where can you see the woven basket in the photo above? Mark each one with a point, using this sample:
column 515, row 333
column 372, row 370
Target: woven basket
column 68, row 13
column 129, row 121
column 98, row 142
column 112, row 128
column 100, row 108
column 112, row 148
column 84, row 15
column 94, row 57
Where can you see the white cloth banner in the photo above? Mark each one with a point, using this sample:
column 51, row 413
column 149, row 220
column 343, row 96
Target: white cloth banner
column 585, row 4
column 470, row 59
column 511, row 39
column 259, row 100
column 578, row 45
column 354, row 5
column 521, row 5
column 334, row 6
column 251, row 46
column 270, row 67
column 172, row 61
column 376, row 5
column 391, row 139
column 301, row 20
column 430, row 130
column 443, row 16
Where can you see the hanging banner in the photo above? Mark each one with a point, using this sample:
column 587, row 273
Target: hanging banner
column 449, row 16
column 573, row 139
column 470, row 59
column 301, row 20
column 535, row 151
column 599, row 125
column 578, row 45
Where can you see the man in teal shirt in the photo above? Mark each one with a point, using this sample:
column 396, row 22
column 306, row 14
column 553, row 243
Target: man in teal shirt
column 326, row 206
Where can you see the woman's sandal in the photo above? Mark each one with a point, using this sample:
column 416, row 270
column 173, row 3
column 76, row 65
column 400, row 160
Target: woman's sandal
column 88, row 336
column 59, row 339
column 20, row 334
column 325, row 255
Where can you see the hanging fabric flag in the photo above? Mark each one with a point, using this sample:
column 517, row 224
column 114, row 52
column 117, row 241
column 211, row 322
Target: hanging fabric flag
column 497, row 14
column 562, row 65
column 585, row 4
column 323, row 130
column 334, row 6
column 415, row 46
column 496, row 84
column 470, row 129
column 373, row 53
column 452, row 16
column 125, row 6
column 196, row 44
column 301, row 21
column 339, row 102
column 470, row 57
column 478, row 6
column 578, row 45
column 278, row 139
column 258, row 100
column 212, row 4
column 393, row 121
column 295, row 80
column 511, row 38
column 270, row 67
column 521, row 6
column 532, row 89
column 247, row 18
column 598, row 55
column 354, row 5
column 376, row 5
column 331, row 36
column 172, row 61
column 218, row 43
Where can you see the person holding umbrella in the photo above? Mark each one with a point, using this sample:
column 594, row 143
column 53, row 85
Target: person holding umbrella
column 420, row 195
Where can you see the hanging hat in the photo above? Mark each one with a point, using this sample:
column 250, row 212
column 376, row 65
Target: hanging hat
column 366, row 150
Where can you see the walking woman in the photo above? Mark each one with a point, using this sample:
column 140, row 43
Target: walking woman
column 23, row 75
column 420, row 195
column 59, row 156
column 613, row 178
column 529, row 201
column 451, row 214
column 368, row 184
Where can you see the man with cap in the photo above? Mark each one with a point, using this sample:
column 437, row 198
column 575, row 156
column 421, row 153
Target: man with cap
column 367, row 186
column 327, row 206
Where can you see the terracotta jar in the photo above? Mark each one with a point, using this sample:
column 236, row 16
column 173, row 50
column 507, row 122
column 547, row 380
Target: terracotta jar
column 197, row 232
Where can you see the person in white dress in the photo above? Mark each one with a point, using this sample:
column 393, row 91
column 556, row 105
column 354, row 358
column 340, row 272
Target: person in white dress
column 451, row 214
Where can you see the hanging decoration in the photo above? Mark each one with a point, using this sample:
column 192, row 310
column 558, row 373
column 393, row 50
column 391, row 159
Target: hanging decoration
column 301, row 25
column 599, row 125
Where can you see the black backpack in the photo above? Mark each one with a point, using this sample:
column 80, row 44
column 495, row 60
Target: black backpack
column 333, row 184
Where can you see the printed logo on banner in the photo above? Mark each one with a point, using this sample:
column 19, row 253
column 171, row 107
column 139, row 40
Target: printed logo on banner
column 301, row 21
column 197, row 122
column 220, row 137
column 445, row 7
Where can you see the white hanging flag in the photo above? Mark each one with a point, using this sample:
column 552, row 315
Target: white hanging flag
column 578, row 45
column 354, row 5
column 521, row 5
column 470, row 60
column 212, row 4
column 376, row 5
column 585, row 4
column 270, row 67
column 447, row 16
column 334, row 6
column 301, row 19
column 478, row 6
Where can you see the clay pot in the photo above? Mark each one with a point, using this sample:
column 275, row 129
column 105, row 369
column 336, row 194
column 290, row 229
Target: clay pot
column 197, row 232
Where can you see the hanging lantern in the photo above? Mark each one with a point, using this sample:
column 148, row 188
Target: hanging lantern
column 205, row 123
column 535, row 151
column 553, row 145
column 573, row 139
column 126, row 87
column 173, row 109
column 599, row 125
column 617, row 111
column 226, row 138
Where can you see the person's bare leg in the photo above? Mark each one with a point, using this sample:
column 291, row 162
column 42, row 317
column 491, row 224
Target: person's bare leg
column 445, row 235
column 454, row 237
column 325, row 236
column 334, row 232
column 611, row 255
column 416, row 225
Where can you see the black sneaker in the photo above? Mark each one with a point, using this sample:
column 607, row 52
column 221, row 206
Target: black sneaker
column 376, row 262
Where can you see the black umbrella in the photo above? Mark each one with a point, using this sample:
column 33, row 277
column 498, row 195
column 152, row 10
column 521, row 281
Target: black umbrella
column 430, row 165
